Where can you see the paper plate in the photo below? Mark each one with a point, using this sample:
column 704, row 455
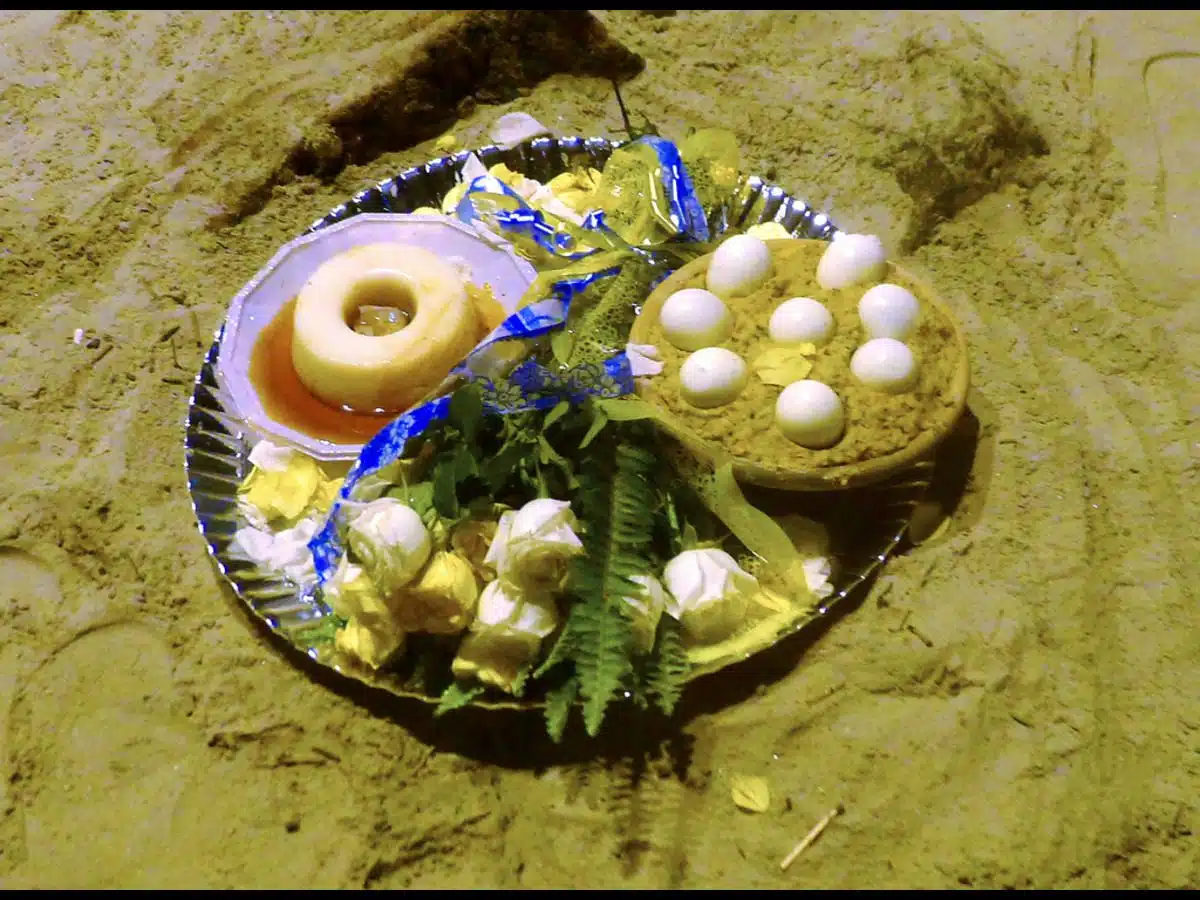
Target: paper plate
column 865, row 526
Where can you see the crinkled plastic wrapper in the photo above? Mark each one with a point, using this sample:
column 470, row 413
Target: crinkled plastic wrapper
column 652, row 208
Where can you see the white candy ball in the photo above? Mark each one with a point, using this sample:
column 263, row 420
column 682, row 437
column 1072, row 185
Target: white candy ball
column 852, row 259
column 884, row 364
column 889, row 311
column 801, row 320
column 712, row 377
column 810, row 414
column 695, row 318
column 738, row 266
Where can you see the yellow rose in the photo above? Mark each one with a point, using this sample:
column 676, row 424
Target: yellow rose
column 371, row 646
column 515, row 180
column 576, row 189
column 442, row 598
column 353, row 595
column 326, row 493
column 453, row 196
column 283, row 493
column 371, row 635
column 471, row 539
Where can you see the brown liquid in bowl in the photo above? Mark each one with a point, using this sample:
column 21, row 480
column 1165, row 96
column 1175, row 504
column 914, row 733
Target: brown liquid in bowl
column 285, row 398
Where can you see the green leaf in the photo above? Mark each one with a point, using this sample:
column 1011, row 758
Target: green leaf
column 547, row 455
column 625, row 409
column 689, row 538
column 669, row 668
column 419, row 496
column 618, row 506
column 558, row 708
column 465, row 464
column 445, row 488
column 599, row 420
column 521, row 681
column 466, row 411
column 555, row 414
column 562, row 344
column 501, row 467
column 456, row 697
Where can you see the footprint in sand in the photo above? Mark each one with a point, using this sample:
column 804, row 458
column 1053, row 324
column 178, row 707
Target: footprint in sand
column 1173, row 91
column 116, row 788
column 98, row 751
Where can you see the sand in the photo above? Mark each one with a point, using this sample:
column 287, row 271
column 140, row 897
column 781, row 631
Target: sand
column 1012, row 704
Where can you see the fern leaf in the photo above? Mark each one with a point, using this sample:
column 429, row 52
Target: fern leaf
column 669, row 668
column 558, row 708
column 618, row 512
column 456, row 697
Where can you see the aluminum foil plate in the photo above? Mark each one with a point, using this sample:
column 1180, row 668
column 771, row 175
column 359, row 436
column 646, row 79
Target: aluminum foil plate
column 865, row 526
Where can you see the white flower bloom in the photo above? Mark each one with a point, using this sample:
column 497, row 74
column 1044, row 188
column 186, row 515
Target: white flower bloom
column 812, row 543
column 513, row 128
column 283, row 551
column 643, row 360
column 506, row 635
column 817, row 572
column 710, row 593
column 532, row 543
column 271, row 457
column 647, row 604
column 504, row 611
column 392, row 542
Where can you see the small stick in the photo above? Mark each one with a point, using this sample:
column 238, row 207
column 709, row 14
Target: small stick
column 812, row 836
column 624, row 112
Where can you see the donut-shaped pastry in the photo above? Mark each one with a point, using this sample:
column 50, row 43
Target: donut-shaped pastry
column 389, row 372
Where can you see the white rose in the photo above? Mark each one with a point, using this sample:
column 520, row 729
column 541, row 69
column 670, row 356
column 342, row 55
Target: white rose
column 391, row 541
column 710, row 594
column 532, row 544
column 647, row 605
column 505, row 637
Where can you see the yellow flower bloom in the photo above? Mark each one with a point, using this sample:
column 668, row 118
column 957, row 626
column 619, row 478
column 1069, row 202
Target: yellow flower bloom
column 371, row 646
column 453, row 196
column 515, row 180
column 326, row 493
column 471, row 539
column 283, row 493
column 371, row 635
column 576, row 189
column 441, row 600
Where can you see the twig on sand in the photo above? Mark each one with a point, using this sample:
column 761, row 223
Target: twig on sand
column 811, row 836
